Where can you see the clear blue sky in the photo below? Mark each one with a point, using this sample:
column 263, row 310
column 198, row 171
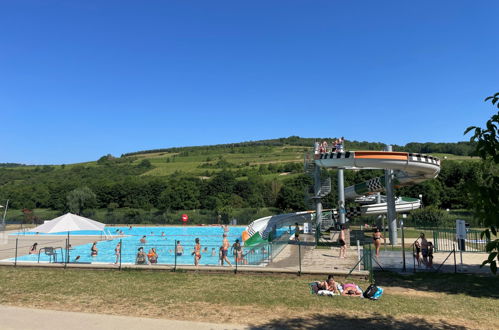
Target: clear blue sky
column 81, row 79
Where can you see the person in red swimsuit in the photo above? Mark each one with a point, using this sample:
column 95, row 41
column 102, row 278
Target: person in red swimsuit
column 197, row 252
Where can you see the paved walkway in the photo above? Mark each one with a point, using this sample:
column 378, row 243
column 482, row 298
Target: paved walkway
column 14, row 318
column 393, row 260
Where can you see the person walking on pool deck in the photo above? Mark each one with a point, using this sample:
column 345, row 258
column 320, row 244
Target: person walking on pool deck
column 197, row 252
column 297, row 232
column 225, row 249
column 424, row 248
column 417, row 254
column 377, row 236
column 430, row 255
column 343, row 244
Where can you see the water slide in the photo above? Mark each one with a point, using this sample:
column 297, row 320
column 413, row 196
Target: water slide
column 409, row 168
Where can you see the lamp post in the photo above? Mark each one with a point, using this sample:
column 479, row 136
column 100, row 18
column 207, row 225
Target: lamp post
column 4, row 214
column 403, row 240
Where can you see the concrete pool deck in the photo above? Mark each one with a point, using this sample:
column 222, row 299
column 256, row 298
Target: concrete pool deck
column 314, row 261
column 15, row 318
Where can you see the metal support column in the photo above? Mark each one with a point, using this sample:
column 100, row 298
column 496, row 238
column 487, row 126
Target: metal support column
column 4, row 214
column 341, row 196
column 390, row 203
column 318, row 203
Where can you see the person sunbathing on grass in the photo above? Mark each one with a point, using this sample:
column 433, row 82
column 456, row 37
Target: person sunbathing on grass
column 329, row 285
column 351, row 290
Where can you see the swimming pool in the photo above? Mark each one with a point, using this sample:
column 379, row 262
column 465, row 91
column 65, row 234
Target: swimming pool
column 163, row 240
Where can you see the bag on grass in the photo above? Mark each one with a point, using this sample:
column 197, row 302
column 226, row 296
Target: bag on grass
column 370, row 291
column 314, row 288
column 378, row 294
column 373, row 292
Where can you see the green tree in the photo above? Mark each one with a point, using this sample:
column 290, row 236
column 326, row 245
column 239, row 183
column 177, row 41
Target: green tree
column 146, row 164
column 180, row 195
column 485, row 193
column 292, row 194
column 80, row 199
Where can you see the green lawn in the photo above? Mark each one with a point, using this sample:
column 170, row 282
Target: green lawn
column 443, row 157
column 457, row 300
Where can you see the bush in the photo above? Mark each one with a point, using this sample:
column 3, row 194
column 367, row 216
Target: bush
column 430, row 217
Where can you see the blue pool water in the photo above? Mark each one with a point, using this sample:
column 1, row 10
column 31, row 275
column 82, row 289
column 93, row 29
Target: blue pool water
column 210, row 238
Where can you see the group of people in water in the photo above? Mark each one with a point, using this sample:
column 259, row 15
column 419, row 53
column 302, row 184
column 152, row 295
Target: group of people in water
column 236, row 250
column 152, row 256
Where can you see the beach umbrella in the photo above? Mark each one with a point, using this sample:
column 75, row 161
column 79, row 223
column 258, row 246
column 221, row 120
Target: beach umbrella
column 67, row 223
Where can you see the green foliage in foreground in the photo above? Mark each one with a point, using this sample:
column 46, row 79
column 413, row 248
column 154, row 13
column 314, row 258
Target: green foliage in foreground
column 485, row 191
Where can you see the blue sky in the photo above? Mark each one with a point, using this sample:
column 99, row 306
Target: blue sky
column 81, row 79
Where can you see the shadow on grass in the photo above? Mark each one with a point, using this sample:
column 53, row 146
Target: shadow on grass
column 318, row 321
column 474, row 285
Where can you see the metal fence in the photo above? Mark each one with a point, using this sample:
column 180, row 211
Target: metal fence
column 445, row 240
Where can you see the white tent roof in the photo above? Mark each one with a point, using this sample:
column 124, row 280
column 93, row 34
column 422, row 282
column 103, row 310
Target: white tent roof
column 69, row 222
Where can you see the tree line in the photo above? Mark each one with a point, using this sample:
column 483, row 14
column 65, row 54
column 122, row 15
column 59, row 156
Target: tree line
column 121, row 186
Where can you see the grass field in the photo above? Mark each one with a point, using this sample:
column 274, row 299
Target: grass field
column 454, row 157
column 168, row 163
column 418, row 301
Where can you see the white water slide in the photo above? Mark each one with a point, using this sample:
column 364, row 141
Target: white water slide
column 409, row 168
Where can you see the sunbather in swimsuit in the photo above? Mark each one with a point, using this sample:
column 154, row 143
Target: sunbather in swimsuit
column 350, row 289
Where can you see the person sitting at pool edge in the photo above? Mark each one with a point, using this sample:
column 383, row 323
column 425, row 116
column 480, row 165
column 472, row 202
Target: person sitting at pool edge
column 141, row 258
column 33, row 249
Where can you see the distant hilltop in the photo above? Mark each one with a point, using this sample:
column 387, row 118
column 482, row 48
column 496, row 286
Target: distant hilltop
column 455, row 148
column 268, row 147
